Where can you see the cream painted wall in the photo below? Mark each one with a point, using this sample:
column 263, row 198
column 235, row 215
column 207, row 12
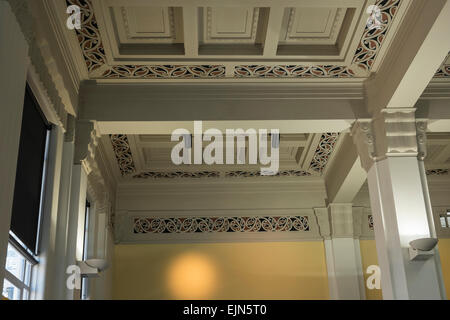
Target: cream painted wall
column 271, row 270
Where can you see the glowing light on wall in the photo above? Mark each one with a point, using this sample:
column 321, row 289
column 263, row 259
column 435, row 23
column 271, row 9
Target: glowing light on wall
column 192, row 276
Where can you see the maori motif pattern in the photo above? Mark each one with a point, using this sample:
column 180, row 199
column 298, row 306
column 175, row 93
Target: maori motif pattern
column 221, row 224
column 370, row 218
column 373, row 38
column 165, row 71
column 284, row 173
column 123, row 154
column 437, row 172
column 323, row 152
column 89, row 35
column 292, row 71
column 177, row 174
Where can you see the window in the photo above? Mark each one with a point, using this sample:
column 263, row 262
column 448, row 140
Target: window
column 28, row 200
column 18, row 273
column 30, row 174
column 445, row 219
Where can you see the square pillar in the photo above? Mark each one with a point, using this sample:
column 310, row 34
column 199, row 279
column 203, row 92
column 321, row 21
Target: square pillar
column 389, row 147
column 341, row 227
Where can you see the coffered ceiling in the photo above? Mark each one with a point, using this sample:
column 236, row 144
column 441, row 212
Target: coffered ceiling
column 148, row 157
column 233, row 40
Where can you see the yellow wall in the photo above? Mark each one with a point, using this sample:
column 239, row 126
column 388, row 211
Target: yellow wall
column 369, row 257
column 281, row 270
column 444, row 252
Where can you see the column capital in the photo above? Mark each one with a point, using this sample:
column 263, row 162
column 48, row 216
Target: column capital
column 393, row 132
column 345, row 222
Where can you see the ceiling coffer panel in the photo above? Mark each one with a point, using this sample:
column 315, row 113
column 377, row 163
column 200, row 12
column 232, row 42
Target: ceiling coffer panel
column 149, row 157
column 141, row 41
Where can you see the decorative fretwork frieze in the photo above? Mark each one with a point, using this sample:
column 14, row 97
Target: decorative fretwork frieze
column 323, row 151
column 165, row 71
column 370, row 221
column 221, row 224
column 292, row 71
column 394, row 132
column 438, row 172
column 444, row 70
column 177, row 174
column 217, row 174
column 123, row 154
column 282, row 173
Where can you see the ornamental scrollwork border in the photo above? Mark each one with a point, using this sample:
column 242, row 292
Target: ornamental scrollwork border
column 188, row 225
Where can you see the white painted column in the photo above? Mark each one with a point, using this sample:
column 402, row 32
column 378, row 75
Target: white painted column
column 345, row 253
column 76, row 221
column 77, row 208
column 341, row 227
column 63, row 212
column 389, row 147
column 14, row 64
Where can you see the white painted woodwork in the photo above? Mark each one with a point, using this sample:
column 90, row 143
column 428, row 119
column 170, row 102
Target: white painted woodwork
column 63, row 219
column 344, row 175
column 421, row 47
column 342, row 251
column 48, row 267
column 400, row 218
column 75, row 232
column 139, row 32
column 13, row 61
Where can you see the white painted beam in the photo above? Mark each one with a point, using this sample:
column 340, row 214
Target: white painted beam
column 273, row 32
column 236, row 3
column 167, row 127
column 344, row 175
column 190, row 28
column 115, row 102
column 417, row 51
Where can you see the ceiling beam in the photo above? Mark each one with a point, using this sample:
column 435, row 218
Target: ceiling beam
column 245, row 102
column 344, row 175
column 273, row 32
column 190, row 27
column 417, row 51
column 236, row 3
column 167, row 127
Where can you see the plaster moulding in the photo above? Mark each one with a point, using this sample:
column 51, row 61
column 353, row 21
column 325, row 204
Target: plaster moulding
column 43, row 71
column 92, row 47
column 393, row 133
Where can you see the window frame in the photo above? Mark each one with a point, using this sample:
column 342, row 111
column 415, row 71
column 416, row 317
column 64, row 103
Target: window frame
column 30, row 262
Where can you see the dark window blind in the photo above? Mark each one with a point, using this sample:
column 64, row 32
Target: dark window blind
column 29, row 175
